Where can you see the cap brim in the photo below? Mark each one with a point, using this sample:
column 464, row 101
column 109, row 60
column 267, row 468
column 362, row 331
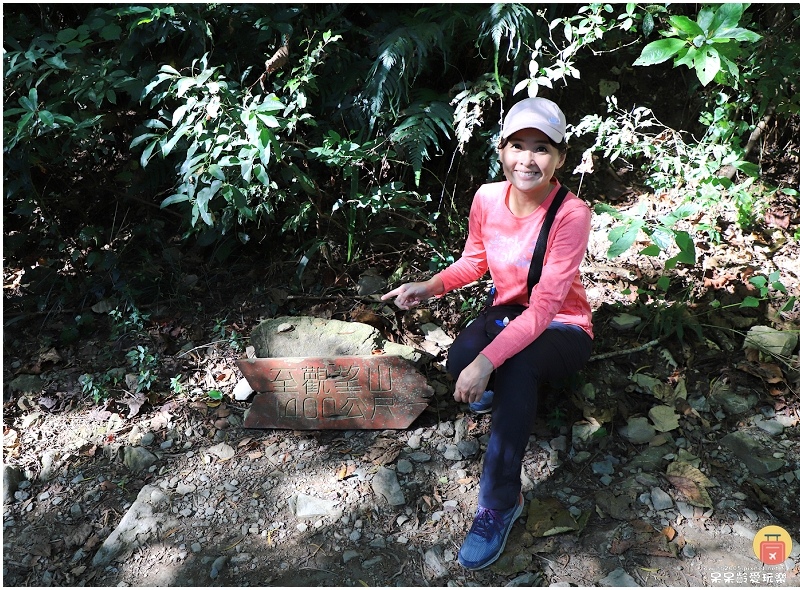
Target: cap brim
column 534, row 123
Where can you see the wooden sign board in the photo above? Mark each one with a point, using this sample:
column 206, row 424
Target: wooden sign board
column 345, row 392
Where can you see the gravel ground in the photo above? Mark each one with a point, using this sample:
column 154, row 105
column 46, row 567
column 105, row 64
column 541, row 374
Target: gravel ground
column 185, row 496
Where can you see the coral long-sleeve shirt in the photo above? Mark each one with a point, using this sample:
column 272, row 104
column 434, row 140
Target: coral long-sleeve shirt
column 503, row 244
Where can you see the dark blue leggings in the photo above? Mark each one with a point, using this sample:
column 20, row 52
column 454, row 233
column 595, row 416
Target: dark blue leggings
column 559, row 352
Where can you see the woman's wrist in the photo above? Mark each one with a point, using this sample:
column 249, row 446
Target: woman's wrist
column 435, row 286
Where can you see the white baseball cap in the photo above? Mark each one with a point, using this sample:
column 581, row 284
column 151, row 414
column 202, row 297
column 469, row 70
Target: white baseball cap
column 536, row 113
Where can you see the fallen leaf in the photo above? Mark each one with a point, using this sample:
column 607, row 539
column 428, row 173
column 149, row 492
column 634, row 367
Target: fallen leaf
column 91, row 542
column 224, row 376
column 548, row 517
column 769, row 372
column 78, row 535
column 669, row 532
column 135, row 404
column 664, row 418
column 691, row 483
column 683, row 469
column 345, row 471
column 10, row 438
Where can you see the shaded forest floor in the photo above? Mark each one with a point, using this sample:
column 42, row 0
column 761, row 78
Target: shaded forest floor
column 686, row 355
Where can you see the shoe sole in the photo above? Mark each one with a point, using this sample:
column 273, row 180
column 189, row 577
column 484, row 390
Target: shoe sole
column 503, row 546
column 486, row 411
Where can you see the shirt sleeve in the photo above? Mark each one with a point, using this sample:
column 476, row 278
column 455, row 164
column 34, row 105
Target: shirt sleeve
column 559, row 284
column 473, row 262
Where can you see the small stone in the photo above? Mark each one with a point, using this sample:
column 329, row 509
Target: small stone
column 689, row 551
column 752, row 516
column 185, row 488
column 618, row 578
column 559, row 444
column 372, row 562
column 603, row 467
column 222, row 450
column 452, row 453
column 469, row 448
column 772, row 341
column 771, row 427
column 527, row 580
column 349, row 555
column 686, row 510
column 147, row 439
column 242, row 390
column 404, row 466
column 12, row 477
column 581, row 457
column 75, row 511
column 638, row 431
column 661, row 499
column 625, row 321
column 434, row 559
column 752, row 453
column 385, row 485
column 310, row 507
column 138, row 459
column 743, row 530
column 217, row 566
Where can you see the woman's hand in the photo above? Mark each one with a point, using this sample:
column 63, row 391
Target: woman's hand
column 473, row 380
column 412, row 294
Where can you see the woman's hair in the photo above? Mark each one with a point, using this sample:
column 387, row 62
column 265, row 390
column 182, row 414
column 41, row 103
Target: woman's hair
column 561, row 147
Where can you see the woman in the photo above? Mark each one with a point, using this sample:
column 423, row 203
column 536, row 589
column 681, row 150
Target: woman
column 550, row 339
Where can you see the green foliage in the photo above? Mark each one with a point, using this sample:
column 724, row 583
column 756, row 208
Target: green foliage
column 554, row 61
column 471, row 104
column 129, row 128
column 662, row 233
column 226, row 145
column 710, row 46
column 145, row 364
column 419, row 129
column 767, row 285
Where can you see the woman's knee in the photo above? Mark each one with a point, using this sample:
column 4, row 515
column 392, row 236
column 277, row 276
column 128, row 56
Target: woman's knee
column 467, row 345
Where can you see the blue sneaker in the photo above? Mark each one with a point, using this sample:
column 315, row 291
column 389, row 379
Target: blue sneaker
column 487, row 537
column 483, row 405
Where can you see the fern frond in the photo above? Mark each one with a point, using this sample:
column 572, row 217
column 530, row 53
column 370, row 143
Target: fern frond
column 402, row 55
column 419, row 130
column 470, row 104
column 511, row 21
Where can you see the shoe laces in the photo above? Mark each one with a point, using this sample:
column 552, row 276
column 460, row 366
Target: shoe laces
column 488, row 523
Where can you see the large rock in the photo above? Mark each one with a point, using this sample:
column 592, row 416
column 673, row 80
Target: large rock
column 317, row 337
column 775, row 342
column 147, row 517
column 12, row 477
column 759, row 460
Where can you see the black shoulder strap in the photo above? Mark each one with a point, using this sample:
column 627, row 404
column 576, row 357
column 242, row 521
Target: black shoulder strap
column 537, row 260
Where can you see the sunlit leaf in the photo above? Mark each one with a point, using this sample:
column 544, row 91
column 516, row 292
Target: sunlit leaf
column 659, row 51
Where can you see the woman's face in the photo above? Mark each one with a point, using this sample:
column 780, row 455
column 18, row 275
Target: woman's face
column 529, row 161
